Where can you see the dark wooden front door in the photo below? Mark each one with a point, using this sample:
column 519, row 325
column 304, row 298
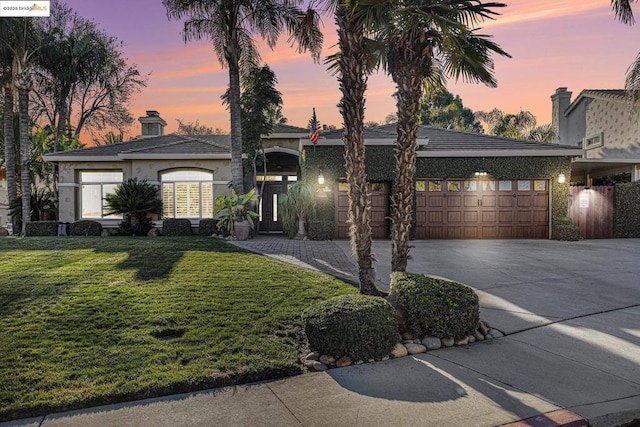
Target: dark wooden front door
column 482, row 209
column 271, row 219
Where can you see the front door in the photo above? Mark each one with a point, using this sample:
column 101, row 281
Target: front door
column 270, row 218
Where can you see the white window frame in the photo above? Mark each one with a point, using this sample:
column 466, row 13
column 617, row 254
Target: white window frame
column 593, row 141
column 100, row 183
column 187, row 180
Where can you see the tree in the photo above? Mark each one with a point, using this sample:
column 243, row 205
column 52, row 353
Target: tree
column 623, row 11
column 134, row 200
column 231, row 26
column 195, row 128
column 440, row 108
column 258, row 101
column 422, row 42
column 84, row 82
column 353, row 64
column 522, row 125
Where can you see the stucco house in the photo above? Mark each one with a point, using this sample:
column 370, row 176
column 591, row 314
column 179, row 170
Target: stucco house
column 468, row 185
column 606, row 125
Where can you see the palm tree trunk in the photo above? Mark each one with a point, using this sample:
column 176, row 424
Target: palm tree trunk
column 353, row 84
column 237, row 175
column 25, row 179
column 9, row 150
column 408, row 102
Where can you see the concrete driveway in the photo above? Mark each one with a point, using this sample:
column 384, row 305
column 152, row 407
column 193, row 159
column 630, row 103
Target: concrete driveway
column 523, row 284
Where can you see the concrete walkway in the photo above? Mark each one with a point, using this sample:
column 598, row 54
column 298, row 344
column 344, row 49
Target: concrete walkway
column 571, row 312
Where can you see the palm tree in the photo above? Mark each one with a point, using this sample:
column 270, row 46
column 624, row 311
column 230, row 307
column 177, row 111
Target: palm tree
column 353, row 64
column 424, row 41
column 134, row 200
column 623, row 11
column 231, row 26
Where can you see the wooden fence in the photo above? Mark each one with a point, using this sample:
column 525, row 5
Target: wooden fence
column 591, row 208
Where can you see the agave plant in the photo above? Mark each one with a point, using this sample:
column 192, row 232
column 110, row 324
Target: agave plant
column 134, row 200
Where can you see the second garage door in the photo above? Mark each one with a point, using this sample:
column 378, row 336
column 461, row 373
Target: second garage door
column 379, row 218
column 482, row 209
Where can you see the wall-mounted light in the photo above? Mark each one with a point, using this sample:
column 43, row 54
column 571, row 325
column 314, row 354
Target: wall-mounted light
column 562, row 179
column 321, row 177
column 481, row 172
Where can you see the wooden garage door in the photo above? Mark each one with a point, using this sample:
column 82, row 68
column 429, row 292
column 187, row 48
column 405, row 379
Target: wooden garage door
column 379, row 196
column 482, row 209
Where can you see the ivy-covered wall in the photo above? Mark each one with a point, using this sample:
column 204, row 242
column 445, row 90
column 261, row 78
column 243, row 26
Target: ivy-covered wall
column 626, row 221
column 380, row 166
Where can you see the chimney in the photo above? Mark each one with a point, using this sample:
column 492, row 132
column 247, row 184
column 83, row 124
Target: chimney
column 152, row 124
column 560, row 101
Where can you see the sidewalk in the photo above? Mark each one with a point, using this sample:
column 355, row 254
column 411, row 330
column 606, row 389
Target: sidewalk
column 571, row 312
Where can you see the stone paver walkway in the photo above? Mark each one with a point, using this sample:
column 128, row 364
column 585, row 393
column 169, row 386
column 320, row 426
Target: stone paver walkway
column 325, row 256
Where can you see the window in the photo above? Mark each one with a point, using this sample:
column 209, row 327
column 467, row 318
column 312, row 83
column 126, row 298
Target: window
column 593, row 141
column 187, row 194
column 421, row 185
column 504, row 185
column 94, row 186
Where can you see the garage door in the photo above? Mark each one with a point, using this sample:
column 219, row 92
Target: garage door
column 482, row 209
column 379, row 196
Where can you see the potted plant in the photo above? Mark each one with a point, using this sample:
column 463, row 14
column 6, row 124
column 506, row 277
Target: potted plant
column 298, row 206
column 236, row 215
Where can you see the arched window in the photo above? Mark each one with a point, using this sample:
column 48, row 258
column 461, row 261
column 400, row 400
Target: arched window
column 187, row 194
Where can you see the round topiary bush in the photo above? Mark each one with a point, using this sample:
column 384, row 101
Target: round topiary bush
column 359, row 326
column 85, row 228
column 436, row 307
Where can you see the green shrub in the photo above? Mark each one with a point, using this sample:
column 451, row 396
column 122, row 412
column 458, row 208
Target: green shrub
column 41, row 228
column 627, row 206
column 176, row 227
column 142, row 227
column 437, row 307
column 359, row 326
column 85, row 228
column 208, row 227
column 564, row 229
column 320, row 230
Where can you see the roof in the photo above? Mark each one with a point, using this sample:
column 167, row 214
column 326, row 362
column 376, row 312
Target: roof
column 159, row 147
column 606, row 94
column 439, row 142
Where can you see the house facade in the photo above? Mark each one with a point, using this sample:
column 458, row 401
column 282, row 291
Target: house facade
column 468, row 185
column 606, row 125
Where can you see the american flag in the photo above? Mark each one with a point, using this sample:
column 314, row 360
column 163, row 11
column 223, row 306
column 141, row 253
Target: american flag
column 314, row 131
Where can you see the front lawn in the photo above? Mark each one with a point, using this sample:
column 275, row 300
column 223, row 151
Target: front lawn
column 90, row 321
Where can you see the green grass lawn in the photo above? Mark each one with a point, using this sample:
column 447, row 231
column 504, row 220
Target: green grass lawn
column 89, row 321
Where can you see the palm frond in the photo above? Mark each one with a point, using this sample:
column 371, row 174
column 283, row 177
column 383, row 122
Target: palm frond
column 623, row 11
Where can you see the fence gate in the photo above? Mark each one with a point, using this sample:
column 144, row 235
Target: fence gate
column 591, row 208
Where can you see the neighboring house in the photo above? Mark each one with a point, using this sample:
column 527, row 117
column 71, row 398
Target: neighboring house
column 606, row 125
column 468, row 185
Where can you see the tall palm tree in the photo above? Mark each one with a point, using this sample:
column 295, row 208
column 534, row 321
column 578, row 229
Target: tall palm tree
column 353, row 63
column 231, row 26
column 21, row 38
column 623, row 11
column 425, row 40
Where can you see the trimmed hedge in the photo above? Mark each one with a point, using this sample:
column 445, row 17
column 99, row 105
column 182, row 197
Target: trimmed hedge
column 207, row 227
column 436, row 307
column 564, row 229
column 627, row 206
column 176, row 227
column 320, row 230
column 41, row 228
column 85, row 228
column 359, row 326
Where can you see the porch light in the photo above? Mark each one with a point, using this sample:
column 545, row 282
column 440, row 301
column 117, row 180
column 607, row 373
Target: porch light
column 562, row 179
column 321, row 177
column 481, row 172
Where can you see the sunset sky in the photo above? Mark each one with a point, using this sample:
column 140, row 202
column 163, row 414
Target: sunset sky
column 553, row 43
